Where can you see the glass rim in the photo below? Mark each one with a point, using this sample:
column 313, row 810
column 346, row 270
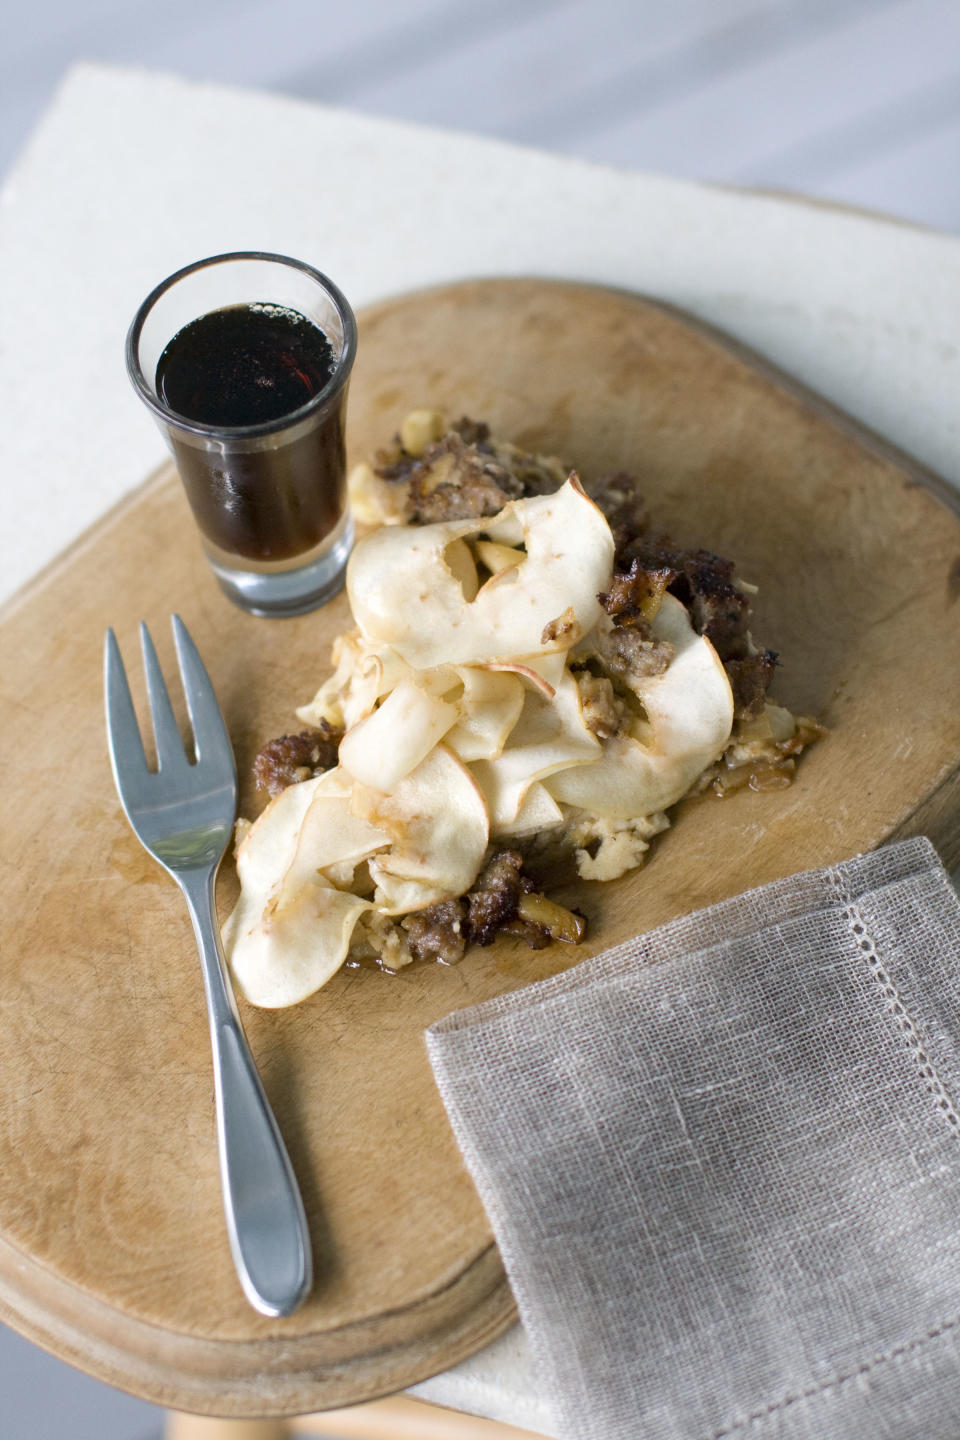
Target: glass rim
column 170, row 416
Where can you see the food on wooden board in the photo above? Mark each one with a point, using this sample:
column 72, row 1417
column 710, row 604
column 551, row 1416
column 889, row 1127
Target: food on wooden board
column 530, row 676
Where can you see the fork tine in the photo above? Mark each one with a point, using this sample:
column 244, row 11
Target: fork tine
column 123, row 732
column 211, row 738
column 166, row 732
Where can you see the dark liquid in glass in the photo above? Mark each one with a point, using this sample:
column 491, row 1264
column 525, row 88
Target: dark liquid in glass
column 270, row 497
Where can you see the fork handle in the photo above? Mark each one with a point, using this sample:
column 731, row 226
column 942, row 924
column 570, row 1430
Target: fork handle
column 266, row 1223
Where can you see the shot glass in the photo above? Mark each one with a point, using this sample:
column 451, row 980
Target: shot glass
column 268, row 494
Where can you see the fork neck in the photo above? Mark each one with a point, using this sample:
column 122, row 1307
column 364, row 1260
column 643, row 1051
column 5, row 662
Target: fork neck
column 198, row 891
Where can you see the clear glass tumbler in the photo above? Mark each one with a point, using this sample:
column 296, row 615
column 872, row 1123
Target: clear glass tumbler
column 269, row 497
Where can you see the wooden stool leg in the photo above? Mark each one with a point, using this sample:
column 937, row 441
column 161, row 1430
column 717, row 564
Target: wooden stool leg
column 201, row 1427
column 402, row 1417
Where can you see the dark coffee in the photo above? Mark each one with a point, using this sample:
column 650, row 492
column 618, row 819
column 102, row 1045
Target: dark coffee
column 265, row 498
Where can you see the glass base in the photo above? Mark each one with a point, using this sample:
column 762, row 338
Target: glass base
column 275, row 593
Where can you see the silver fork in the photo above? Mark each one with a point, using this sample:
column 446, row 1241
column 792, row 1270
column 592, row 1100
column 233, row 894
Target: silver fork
column 183, row 815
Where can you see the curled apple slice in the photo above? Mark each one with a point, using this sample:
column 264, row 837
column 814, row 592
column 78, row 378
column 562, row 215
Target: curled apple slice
column 331, row 833
column 270, row 844
column 291, row 928
column 436, row 820
column 497, row 557
column 538, row 812
column 362, row 674
column 549, row 737
column 488, row 709
column 392, row 741
column 689, row 716
column 406, row 583
column 346, row 654
column 279, row 963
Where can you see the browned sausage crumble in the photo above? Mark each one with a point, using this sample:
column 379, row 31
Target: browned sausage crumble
column 292, row 758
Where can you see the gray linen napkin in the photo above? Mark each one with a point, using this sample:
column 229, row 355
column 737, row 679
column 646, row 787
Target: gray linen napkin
column 722, row 1163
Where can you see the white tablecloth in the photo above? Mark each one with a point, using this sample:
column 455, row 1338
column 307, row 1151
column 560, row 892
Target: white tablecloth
column 134, row 174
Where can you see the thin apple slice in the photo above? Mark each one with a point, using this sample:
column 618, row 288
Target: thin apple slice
column 550, row 736
column 385, row 746
column 689, row 717
column 291, row 928
column 489, row 708
column 405, row 593
column 437, row 822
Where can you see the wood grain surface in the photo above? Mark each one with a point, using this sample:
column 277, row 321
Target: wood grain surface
column 112, row 1245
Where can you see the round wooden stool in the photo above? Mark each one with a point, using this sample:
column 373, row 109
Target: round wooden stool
column 113, row 1252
